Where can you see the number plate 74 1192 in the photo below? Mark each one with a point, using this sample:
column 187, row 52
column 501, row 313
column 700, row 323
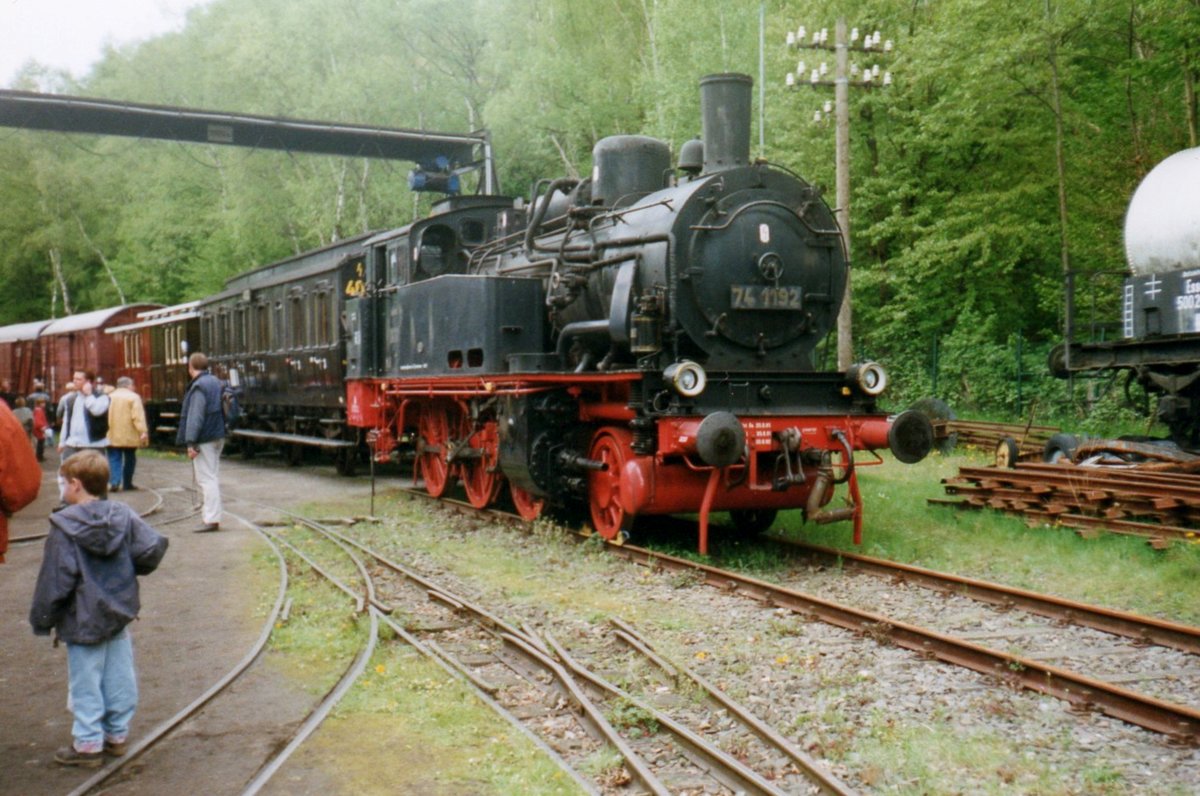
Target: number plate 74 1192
column 764, row 297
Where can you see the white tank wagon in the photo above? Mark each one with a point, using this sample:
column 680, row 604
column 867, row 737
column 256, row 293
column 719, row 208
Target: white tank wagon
column 1158, row 339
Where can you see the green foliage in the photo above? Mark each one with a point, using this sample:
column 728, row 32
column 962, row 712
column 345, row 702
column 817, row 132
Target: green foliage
column 625, row 715
column 956, row 228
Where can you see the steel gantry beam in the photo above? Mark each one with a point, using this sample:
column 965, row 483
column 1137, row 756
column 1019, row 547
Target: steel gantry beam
column 67, row 114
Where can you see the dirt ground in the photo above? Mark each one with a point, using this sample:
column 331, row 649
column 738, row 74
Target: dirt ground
column 198, row 620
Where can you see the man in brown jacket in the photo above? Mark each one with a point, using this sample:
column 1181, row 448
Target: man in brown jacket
column 127, row 431
column 20, row 474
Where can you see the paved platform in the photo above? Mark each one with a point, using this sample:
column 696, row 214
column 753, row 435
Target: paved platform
column 198, row 615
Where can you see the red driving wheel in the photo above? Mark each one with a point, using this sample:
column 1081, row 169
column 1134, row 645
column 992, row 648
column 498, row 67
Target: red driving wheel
column 433, row 430
column 527, row 505
column 604, row 486
column 481, row 475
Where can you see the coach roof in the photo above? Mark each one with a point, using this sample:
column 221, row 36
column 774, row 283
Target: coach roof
column 89, row 320
column 21, row 331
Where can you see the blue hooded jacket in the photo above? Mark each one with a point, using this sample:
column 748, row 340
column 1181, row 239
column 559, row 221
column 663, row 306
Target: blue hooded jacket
column 87, row 588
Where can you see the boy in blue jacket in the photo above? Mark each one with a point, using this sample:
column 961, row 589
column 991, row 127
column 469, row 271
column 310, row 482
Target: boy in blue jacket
column 87, row 592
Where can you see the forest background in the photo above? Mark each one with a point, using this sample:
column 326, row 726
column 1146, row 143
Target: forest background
column 1004, row 153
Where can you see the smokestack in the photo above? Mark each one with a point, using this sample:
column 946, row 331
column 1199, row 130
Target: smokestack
column 725, row 116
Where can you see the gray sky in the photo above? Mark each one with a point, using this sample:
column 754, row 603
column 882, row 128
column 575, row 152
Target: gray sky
column 71, row 34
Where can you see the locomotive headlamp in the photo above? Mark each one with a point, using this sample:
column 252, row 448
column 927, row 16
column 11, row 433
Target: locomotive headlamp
column 868, row 377
column 686, row 378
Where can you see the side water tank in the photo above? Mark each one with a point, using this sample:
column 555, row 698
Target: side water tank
column 1162, row 226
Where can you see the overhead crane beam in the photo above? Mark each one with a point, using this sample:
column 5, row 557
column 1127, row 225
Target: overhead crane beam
column 67, row 114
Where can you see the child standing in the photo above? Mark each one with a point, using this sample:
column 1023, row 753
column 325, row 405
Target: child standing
column 24, row 416
column 87, row 591
column 41, row 425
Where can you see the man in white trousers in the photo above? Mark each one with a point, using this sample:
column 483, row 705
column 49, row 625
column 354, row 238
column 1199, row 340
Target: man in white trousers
column 202, row 430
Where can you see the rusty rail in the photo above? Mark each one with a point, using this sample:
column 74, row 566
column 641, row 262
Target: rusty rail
column 1130, row 500
column 813, row 769
column 1145, row 629
column 1180, row 722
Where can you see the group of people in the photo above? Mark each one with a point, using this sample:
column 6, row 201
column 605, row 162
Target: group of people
column 32, row 412
column 87, row 588
column 89, row 416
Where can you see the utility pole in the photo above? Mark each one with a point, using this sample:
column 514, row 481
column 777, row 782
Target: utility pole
column 841, row 102
column 845, row 75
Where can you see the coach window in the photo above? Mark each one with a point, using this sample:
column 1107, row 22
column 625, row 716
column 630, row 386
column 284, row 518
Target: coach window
column 208, row 330
column 278, row 330
column 398, row 262
column 262, row 332
column 321, row 318
column 296, row 313
column 129, row 340
column 239, row 330
column 156, row 336
column 223, row 332
column 180, row 354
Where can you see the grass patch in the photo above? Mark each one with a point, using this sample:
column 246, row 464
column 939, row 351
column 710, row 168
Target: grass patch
column 604, row 764
column 438, row 735
column 1118, row 571
column 406, row 726
column 627, row 716
column 538, row 568
column 938, row 757
column 321, row 634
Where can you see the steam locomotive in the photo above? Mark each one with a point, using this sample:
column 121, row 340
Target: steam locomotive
column 1158, row 344
column 637, row 343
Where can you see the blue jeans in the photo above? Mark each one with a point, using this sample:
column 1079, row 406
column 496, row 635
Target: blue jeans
column 121, row 464
column 103, row 691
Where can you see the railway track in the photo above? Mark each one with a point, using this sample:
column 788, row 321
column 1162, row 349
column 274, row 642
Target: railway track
column 579, row 713
column 1142, row 629
column 540, row 676
column 222, row 695
column 526, row 675
column 1178, row 721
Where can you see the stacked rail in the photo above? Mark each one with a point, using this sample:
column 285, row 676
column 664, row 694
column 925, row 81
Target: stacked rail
column 1030, row 439
column 1160, row 505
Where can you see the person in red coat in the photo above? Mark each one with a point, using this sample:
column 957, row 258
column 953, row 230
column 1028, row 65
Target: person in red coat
column 41, row 424
column 20, row 475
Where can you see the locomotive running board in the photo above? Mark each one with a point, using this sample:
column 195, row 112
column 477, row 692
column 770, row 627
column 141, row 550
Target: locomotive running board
column 293, row 439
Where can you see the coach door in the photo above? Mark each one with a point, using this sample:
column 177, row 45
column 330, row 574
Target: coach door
column 358, row 328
